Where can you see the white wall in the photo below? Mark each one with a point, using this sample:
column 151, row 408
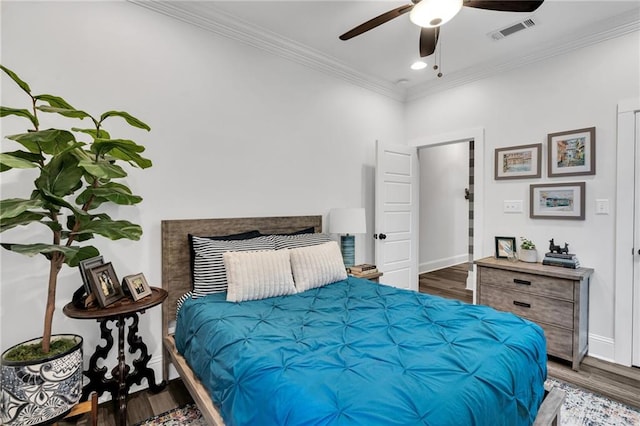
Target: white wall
column 444, row 212
column 577, row 90
column 235, row 132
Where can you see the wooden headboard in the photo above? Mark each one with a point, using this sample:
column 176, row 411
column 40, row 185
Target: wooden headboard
column 176, row 271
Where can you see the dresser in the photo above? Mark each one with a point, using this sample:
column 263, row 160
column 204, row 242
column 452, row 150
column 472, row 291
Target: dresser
column 555, row 298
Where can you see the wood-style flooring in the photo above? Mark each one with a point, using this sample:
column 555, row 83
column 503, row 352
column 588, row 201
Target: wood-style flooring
column 611, row 380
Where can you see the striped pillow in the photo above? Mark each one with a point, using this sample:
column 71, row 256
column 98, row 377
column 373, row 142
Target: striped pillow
column 209, row 274
column 300, row 240
column 317, row 266
column 253, row 275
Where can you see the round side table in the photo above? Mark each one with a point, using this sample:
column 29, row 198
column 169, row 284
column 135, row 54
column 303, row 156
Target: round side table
column 121, row 375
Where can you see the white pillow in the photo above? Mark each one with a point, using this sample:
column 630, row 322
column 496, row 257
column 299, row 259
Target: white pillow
column 317, row 265
column 253, row 275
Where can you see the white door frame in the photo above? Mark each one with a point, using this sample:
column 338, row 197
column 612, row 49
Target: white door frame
column 623, row 283
column 465, row 135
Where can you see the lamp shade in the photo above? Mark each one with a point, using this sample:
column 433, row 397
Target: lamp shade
column 433, row 13
column 347, row 221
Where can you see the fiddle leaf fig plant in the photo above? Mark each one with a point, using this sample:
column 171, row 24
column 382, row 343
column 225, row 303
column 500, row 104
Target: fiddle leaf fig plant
column 75, row 179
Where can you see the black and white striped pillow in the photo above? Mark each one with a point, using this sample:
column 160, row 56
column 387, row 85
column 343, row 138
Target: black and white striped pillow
column 209, row 274
column 301, row 240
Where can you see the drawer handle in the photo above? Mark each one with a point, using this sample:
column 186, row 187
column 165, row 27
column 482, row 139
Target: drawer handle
column 524, row 305
column 523, row 282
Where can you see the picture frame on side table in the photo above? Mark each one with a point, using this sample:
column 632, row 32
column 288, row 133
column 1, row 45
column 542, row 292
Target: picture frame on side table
column 105, row 284
column 137, row 286
column 505, row 247
column 84, row 267
column 518, row 162
column 572, row 153
column 557, row 201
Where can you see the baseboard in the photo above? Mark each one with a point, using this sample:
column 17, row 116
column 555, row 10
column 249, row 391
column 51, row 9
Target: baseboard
column 601, row 347
column 434, row 265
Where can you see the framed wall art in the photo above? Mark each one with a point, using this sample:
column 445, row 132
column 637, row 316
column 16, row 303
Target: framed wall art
column 84, row 266
column 505, row 247
column 518, row 162
column 105, row 284
column 557, row 201
column 137, row 286
column 572, row 153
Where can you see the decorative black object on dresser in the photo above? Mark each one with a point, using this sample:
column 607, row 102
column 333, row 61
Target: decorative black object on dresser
column 555, row 298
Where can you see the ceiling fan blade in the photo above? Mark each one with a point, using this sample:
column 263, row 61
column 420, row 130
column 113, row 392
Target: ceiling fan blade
column 378, row 20
column 428, row 40
column 504, row 5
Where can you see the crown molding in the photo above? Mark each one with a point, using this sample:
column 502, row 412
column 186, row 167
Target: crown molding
column 200, row 15
column 221, row 23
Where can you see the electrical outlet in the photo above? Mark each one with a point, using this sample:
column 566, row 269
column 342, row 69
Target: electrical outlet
column 512, row 206
column 602, row 206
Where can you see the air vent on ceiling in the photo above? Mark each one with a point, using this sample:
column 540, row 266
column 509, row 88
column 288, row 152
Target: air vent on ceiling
column 512, row 29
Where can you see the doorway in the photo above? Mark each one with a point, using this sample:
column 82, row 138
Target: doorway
column 474, row 136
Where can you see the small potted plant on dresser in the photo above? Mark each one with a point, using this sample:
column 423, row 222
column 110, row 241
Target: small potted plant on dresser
column 528, row 252
column 42, row 377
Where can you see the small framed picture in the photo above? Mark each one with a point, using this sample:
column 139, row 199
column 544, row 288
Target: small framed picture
column 105, row 284
column 557, row 201
column 505, row 247
column 518, row 162
column 572, row 153
column 137, row 286
column 84, row 266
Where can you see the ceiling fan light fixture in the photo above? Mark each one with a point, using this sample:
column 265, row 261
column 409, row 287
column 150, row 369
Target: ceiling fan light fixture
column 433, row 13
column 418, row 65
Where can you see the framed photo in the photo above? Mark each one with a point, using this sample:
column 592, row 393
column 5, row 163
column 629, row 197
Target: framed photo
column 105, row 284
column 557, row 201
column 518, row 162
column 505, row 247
column 137, row 286
column 572, row 153
column 84, row 266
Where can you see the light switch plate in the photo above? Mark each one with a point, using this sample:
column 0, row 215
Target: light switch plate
column 602, row 206
column 512, row 206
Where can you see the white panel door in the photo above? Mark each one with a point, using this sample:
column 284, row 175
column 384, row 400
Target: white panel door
column 636, row 248
column 396, row 213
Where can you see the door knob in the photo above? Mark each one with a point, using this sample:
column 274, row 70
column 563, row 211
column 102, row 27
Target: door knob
column 382, row 236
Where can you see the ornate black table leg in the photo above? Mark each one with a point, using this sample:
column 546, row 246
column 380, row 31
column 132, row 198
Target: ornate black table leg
column 141, row 370
column 97, row 381
column 121, row 371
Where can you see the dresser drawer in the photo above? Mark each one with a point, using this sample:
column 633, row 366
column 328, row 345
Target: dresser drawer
column 538, row 284
column 559, row 341
column 531, row 306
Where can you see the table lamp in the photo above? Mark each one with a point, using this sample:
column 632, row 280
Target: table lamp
column 347, row 222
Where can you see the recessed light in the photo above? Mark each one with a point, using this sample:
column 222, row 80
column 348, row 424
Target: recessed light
column 402, row 82
column 418, row 65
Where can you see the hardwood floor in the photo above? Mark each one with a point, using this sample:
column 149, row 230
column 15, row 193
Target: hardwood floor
column 447, row 282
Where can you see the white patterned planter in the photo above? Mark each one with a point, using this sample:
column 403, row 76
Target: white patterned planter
column 42, row 391
column 528, row 255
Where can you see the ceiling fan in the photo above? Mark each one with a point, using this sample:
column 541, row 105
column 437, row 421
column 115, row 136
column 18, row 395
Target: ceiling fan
column 431, row 14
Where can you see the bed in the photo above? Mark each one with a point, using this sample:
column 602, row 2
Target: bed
column 350, row 352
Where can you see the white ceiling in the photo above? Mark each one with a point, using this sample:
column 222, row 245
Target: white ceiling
column 307, row 31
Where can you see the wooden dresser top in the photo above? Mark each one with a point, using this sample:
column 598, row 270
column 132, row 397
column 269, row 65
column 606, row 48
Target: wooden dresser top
column 535, row 268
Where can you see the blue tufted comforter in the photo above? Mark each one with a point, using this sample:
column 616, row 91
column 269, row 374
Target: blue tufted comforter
column 357, row 353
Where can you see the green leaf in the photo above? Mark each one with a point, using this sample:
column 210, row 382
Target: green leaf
column 102, row 134
column 67, row 112
column 112, row 229
column 55, row 202
column 102, row 169
column 61, row 176
column 50, row 141
column 112, row 191
column 13, row 207
column 82, row 253
column 5, row 111
column 24, row 218
column 73, row 255
column 122, row 149
column 54, row 101
column 24, row 86
column 128, row 117
column 9, row 161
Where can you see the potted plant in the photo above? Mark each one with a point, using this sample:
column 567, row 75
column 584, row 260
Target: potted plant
column 528, row 252
column 42, row 377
